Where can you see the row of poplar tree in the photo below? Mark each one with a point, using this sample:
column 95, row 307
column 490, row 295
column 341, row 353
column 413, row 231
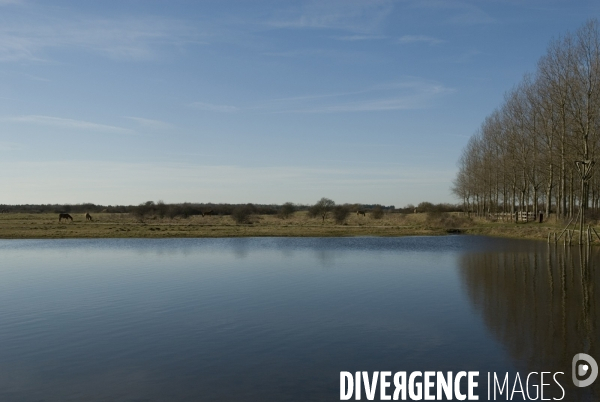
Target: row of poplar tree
column 528, row 153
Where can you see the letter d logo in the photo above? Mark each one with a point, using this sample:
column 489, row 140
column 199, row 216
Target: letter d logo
column 581, row 370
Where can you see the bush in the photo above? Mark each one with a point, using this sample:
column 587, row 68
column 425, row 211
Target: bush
column 340, row 213
column 321, row 208
column 144, row 209
column 436, row 215
column 446, row 220
column 429, row 207
column 242, row 214
column 313, row 211
column 591, row 216
column 161, row 209
column 173, row 211
column 377, row 212
column 286, row 210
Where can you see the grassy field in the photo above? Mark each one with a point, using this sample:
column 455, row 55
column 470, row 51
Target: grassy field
column 41, row 226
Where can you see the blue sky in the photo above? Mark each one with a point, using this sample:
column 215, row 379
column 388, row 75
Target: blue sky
column 120, row 102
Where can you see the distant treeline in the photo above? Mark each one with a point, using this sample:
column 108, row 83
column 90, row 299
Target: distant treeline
column 65, row 208
column 185, row 210
column 188, row 209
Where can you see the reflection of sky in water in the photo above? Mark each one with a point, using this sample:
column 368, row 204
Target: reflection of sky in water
column 242, row 319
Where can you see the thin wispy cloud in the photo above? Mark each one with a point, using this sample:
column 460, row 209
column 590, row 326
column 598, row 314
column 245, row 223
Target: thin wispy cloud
column 458, row 12
column 35, row 77
column 419, row 39
column 210, row 107
column 9, row 146
column 354, row 38
column 347, row 15
column 67, row 123
column 315, row 52
column 123, row 39
column 320, row 96
column 465, row 57
column 300, row 53
column 376, row 105
column 151, row 124
column 22, row 74
column 402, row 95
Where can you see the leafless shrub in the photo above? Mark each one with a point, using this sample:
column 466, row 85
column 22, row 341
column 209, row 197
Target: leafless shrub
column 242, row 214
column 321, row 208
column 286, row 210
column 377, row 212
column 340, row 213
column 445, row 220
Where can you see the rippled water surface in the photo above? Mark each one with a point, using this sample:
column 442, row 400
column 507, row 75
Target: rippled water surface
column 265, row 319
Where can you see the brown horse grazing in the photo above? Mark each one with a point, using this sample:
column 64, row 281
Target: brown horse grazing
column 88, row 217
column 361, row 212
column 65, row 216
column 208, row 213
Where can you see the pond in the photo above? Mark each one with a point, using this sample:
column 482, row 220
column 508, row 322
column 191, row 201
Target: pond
column 278, row 319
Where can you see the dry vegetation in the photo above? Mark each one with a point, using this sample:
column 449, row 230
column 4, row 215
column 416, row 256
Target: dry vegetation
column 298, row 224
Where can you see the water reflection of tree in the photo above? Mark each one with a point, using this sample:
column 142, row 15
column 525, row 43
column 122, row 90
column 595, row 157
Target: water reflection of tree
column 540, row 303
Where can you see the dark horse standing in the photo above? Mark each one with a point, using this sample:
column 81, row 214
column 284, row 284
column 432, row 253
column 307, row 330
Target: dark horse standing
column 361, row 212
column 65, row 216
column 208, row 213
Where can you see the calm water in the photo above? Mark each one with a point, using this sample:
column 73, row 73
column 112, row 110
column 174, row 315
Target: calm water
column 278, row 319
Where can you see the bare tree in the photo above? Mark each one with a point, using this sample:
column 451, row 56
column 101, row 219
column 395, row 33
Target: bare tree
column 321, row 208
column 538, row 148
